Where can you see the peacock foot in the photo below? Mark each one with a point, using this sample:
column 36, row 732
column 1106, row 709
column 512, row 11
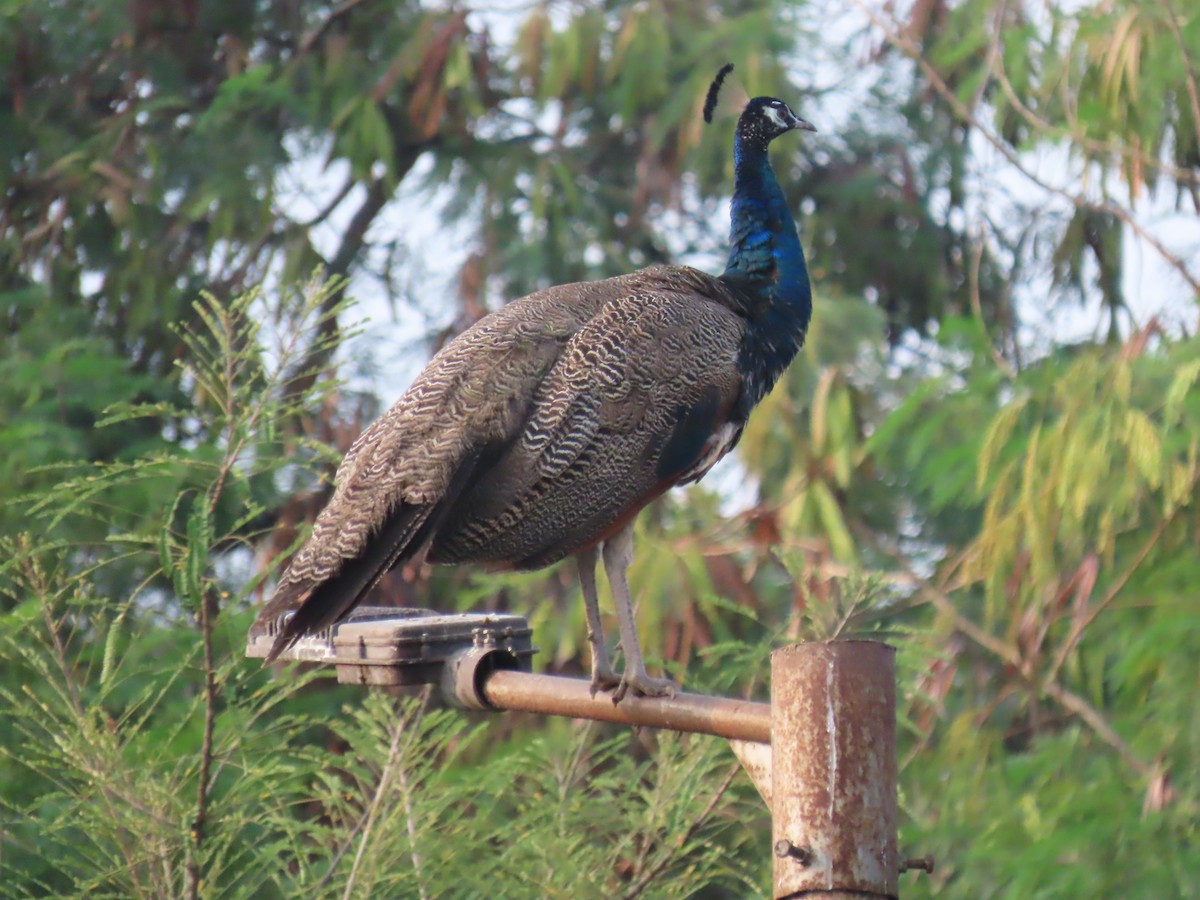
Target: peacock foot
column 603, row 677
column 645, row 685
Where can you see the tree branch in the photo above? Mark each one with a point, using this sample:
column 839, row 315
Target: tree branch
column 385, row 778
column 1075, row 704
column 323, row 214
column 99, row 768
column 1081, row 624
column 635, row 889
column 977, row 305
column 208, row 609
column 323, row 345
column 910, row 49
column 1188, row 68
column 1009, row 654
column 310, row 40
column 1075, row 136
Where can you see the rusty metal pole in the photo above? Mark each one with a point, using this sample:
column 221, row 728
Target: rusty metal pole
column 833, row 770
column 556, row 696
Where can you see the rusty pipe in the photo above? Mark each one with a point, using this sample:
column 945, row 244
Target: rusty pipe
column 833, row 791
column 557, row 696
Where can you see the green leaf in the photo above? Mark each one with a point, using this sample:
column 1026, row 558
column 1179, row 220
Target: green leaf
column 996, row 437
column 1185, row 377
column 833, row 522
column 195, row 561
column 1145, row 446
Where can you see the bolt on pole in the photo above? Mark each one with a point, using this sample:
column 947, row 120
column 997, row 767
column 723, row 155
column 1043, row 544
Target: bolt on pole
column 833, row 770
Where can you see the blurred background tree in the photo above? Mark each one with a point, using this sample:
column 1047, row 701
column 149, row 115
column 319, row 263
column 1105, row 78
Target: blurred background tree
column 989, row 450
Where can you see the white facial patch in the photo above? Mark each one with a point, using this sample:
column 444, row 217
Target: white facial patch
column 776, row 116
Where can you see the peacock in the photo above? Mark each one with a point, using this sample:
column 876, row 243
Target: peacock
column 541, row 431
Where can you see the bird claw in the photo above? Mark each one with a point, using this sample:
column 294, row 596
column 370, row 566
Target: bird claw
column 604, row 679
column 643, row 685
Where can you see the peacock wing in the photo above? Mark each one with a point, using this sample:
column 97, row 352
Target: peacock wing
column 643, row 396
column 408, row 467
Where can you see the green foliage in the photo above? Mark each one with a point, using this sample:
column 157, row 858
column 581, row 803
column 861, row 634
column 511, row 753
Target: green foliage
column 142, row 762
column 1068, row 590
column 110, row 713
column 1017, row 517
column 422, row 807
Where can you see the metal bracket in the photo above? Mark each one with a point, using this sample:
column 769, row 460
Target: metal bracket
column 386, row 646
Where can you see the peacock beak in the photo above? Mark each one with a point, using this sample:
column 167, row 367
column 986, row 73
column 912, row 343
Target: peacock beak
column 804, row 125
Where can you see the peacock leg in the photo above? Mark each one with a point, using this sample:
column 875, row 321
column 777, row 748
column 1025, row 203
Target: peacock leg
column 618, row 554
column 603, row 676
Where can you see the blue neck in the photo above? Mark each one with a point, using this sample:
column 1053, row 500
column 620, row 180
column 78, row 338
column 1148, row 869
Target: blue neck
column 766, row 261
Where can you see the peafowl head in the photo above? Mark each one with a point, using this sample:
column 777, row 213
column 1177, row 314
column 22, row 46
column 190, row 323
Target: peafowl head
column 762, row 120
column 766, row 118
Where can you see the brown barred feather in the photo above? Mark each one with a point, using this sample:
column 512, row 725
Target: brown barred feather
column 528, row 437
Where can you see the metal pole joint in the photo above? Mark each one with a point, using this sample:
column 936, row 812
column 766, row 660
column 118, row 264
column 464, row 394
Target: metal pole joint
column 833, row 769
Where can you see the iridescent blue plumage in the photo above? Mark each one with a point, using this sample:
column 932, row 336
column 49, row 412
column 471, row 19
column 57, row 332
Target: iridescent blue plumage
column 766, row 261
